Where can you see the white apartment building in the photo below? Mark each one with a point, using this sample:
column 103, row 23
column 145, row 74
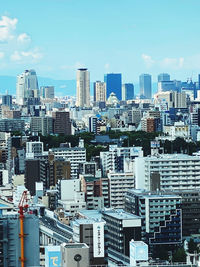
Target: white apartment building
column 167, row 172
column 115, row 158
column 71, row 198
column 34, row 149
column 75, row 155
column 119, row 184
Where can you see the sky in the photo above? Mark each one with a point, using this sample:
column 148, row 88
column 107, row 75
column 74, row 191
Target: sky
column 55, row 37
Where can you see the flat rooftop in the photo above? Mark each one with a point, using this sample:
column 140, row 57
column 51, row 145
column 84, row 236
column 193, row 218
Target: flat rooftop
column 120, row 214
column 76, row 245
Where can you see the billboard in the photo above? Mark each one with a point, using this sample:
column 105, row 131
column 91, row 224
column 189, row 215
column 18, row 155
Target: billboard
column 98, row 239
column 52, row 256
column 138, row 252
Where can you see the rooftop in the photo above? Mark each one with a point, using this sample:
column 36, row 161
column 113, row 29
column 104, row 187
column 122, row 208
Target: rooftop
column 120, row 214
column 76, row 245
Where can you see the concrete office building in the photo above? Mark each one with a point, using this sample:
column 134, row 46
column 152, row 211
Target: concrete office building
column 11, row 125
column 83, row 88
column 91, row 232
column 163, row 77
column 99, row 91
column 113, row 84
column 160, row 213
column 127, row 91
column 164, row 86
column 32, row 174
column 61, row 122
column 96, row 191
column 145, row 86
column 167, row 172
column 11, row 114
column 26, row 87
column 121, row 228
column 172, row 98
column 47, row 92
column 42, row 125
column 75, row 254
column 10, row 248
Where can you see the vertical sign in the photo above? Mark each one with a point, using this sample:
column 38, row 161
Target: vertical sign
column 98, row 239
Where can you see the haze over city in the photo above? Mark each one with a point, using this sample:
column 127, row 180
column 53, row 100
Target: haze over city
column 56, row 37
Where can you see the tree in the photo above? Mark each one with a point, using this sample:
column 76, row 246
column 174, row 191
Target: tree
column 179, row 255
column 192, row 246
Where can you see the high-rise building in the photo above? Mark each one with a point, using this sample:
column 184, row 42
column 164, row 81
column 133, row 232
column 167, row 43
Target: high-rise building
column 163, row 77
column 161, row 216
column 121, row 227
column 83, row 88
column 152, row 173
column 145, row 86
column 62, row 123
column 42, row 125
column 27, row 86
column 113, row 84
column 7, row 100
column 127, row 91
column 99, row 91
column 47, row 92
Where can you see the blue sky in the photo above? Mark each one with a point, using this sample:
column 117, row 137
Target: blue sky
column 129, row 36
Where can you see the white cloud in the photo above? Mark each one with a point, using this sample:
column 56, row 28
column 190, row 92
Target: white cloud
column 23, row 37
column 21, row 56
column 172, row 63
column 148, row 61
column 15, row 56
column 7, row 28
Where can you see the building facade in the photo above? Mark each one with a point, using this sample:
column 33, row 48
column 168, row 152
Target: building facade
column 127, row 91
column 113, row 84
column 83, row 88
column 145, row 86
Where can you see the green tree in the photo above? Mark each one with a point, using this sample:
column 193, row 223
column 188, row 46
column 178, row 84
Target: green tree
column 179, row 255
column 192, row 246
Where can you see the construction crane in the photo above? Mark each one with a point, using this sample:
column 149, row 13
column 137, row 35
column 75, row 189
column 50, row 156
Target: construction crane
column 23, row 206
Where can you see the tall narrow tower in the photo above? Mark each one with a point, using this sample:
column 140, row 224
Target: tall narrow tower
column 145, row 86
column 83, row 88
column 27, row 86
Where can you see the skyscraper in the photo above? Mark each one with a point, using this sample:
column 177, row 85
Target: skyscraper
column 83, row 88
column 163, row 77
column 127, row 91
column 113, row 84
column 47, row 92
column 27, row 86
column 145, row 86
column 99, row 91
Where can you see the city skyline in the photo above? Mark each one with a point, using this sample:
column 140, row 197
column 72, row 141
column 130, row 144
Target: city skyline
column 72, row 36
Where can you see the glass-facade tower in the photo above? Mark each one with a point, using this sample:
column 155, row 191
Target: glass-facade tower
column 113, row 84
